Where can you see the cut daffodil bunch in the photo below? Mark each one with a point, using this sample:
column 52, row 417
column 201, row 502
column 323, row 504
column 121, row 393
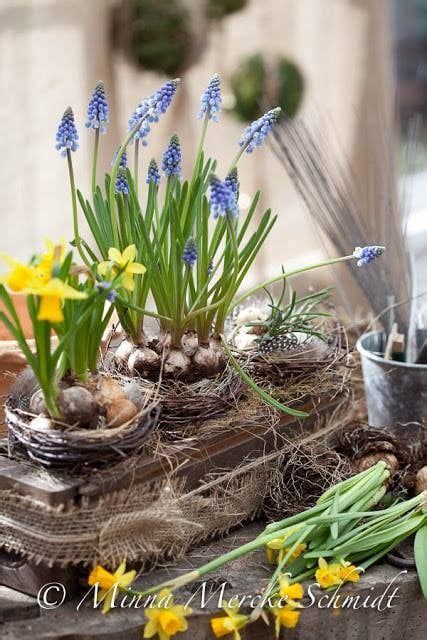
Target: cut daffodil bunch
column 122, row 263
column 233, row 622
column 106, row 581
column 165, row 618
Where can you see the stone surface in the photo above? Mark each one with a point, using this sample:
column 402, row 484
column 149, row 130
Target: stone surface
column 407, row 621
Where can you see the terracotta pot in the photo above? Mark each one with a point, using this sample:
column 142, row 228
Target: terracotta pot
column 11, row 359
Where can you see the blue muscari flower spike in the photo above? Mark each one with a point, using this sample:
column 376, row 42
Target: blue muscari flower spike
column 210, row 102
column 365, row 255
column 123, row 159
column 151, row 109
column 223, row 199
column 67, row 136
column 232, row 181
column 171, row 164
column 98, row 110
column 104, row 286
column 189, row 255
column 153, row 174
column 255, row 134
column 121, row 184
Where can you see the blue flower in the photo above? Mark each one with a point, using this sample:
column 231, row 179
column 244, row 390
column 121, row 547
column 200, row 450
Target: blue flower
column 365, row 255
column 210, row 102
column 98, row 110
column 121, row 184
column 232, row 181
column 223, row 199
column 172, row 158
column 153, row 174
column 123, row 160
column 255, row 134
column 105, row 286
column 150, row 109
column 67, row 136
column 189, row 255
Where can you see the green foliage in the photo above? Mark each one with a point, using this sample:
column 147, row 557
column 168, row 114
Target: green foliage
column 161, row 37
column 290, row 87
column 218, row 9
column 248, row 85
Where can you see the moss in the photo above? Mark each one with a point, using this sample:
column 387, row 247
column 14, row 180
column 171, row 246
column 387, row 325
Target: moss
column 247, row 84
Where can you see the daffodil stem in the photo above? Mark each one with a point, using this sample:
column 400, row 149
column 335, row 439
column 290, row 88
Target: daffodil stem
column 288, row 274
column 75, row 215
column 95, row 159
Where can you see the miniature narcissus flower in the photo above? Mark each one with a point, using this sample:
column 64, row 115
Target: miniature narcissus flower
column 153, row 174
column 106, row 581
column 172, row 158
column 210, row 102
column 98, row 110
column 328, row 575
column 165, row 618
column 365, row 255
column 52, row 295
column 231, row 623
column 222, row 200
column 286, row 617
column 276, row 550
column 189, row 255
column 255, row 134
column 67, row 136
column 290, row 592
column 349, row 573
column 123, row 263
column 20, row 276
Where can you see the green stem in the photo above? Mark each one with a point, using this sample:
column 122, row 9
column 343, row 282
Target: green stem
column 136, row 165
column 289, row 274
column 75, row 217
column 95, row 159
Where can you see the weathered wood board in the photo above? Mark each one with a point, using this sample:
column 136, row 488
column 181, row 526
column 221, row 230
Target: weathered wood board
column 406, row 620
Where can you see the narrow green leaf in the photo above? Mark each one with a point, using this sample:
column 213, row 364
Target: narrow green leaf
column 420, row 553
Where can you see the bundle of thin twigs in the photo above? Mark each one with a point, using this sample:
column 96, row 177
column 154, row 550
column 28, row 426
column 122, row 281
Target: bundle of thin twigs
column 352, row 214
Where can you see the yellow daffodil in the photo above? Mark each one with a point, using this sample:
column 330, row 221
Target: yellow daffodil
column 231, row 623
column 20, row 277
column 276, row 551
column 328, row 575
column 287, row 617
column 165, row 619
column 124, row 263
column 349, row 573
column 290, row 592
column 106, row 581
column 54, row 254
column 52, row 294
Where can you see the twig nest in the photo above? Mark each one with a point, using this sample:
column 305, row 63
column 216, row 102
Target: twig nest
column 421, row 480
column 123, row 352
column 77, row 406
column 119, row 412
column 371, row 459
column 41, row 423
column 143, row 361
column 177, row 363
column 37, row 403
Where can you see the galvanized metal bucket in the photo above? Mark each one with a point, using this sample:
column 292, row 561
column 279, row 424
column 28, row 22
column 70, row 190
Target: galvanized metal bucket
column 396, row 392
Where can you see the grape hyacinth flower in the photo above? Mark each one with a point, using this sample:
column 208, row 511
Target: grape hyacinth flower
column 365, row 255
column 232, row 181
column 121, row 184
column 172, row 158
column 151, row 109
column 98, row 110
column 210, row 102
column 105, row 286
column 223, row 199
column 67, row 136
column 255, row 134
column 123, row 159
column 153, row 174
column 189, row 255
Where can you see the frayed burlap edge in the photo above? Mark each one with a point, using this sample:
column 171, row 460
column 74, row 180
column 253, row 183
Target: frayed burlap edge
column 148, row 522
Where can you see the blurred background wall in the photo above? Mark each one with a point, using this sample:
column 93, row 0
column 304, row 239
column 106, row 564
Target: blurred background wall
column 52, row 52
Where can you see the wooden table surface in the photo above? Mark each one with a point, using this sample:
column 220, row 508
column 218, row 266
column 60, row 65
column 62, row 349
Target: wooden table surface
column 22, row 619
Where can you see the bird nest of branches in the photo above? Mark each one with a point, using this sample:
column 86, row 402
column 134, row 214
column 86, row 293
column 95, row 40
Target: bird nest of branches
column 59, row 445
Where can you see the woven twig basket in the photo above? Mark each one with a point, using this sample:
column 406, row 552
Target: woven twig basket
column 68, row 448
